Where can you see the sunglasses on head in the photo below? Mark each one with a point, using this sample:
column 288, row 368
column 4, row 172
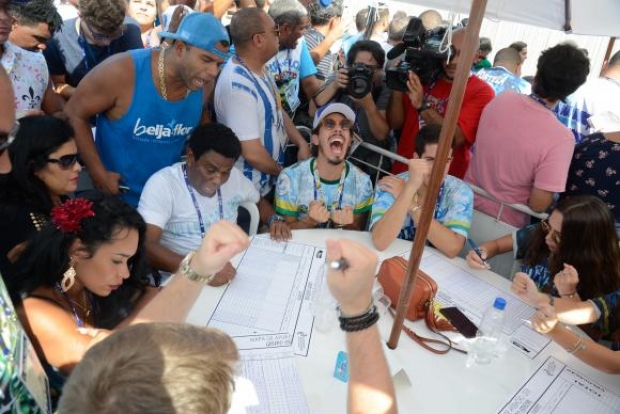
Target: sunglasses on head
column 66, row 161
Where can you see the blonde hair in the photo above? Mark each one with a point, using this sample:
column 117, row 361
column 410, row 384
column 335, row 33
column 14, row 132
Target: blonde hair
column 154, row 368
column 104, row 15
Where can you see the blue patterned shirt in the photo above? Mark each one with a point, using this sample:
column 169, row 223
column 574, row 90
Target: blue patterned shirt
column 609, row 320
column 539, row 273
column 455, row 207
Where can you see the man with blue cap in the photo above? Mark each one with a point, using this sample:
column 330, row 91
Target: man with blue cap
column 147, row 103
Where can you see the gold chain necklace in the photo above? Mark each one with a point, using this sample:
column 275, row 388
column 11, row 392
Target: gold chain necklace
column 162, row 78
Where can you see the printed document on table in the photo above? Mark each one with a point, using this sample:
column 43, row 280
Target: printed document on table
column 558, row 388
column 268, row 304
column 268, row 383
column 472, row 295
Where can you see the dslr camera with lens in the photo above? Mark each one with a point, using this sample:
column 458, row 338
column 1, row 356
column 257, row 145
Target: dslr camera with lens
column 360, row 80
column 424, row 53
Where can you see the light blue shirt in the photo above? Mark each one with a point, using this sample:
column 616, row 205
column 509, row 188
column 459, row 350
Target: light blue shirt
column 455, row 207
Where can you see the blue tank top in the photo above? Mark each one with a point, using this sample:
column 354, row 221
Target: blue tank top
column 152, row 133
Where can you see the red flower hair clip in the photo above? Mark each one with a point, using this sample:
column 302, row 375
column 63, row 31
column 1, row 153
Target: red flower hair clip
column 68, row 216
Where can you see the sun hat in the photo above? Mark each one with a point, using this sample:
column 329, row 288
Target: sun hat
column 333, row 108
column 202, row 30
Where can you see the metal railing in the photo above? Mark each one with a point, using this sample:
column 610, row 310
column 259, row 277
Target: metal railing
column 395, row 157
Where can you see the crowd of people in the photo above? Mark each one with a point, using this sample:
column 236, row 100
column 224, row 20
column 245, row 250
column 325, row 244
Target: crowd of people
column 176, row 121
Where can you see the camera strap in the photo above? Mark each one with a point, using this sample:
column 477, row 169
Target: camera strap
column 538, row 99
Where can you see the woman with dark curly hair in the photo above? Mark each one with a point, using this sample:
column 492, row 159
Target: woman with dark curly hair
column 85, row 275
column 44, row 170
column 573, row 254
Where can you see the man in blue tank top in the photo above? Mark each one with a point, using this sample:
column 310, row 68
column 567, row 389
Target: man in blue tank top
column 147, row 103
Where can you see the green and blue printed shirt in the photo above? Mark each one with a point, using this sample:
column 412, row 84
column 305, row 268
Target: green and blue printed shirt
column 297, row 187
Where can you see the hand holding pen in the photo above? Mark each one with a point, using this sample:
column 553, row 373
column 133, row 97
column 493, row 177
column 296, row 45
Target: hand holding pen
column 351, row 269
column 476, row 258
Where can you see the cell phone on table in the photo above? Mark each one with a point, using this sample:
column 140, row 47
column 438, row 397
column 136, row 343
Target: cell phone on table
column 460, row 321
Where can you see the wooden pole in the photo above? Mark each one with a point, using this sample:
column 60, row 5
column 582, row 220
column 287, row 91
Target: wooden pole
column 470, row 47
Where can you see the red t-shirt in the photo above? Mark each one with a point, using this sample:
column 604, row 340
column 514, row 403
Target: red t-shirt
column 477, row 95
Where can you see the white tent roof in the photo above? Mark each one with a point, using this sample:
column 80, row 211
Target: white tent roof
column 588, row 17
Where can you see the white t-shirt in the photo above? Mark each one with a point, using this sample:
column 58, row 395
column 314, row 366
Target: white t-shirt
column 167, row 204
column 241, row 106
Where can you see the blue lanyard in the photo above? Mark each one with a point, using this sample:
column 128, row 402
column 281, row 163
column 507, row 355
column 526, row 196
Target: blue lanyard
column 271, row 113
column 88, row 55
column 79, row 322
column 197, row 207
column 254, row 80
column 538, row 99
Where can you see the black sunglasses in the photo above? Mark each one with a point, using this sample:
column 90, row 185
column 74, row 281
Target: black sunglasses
column 66, row 161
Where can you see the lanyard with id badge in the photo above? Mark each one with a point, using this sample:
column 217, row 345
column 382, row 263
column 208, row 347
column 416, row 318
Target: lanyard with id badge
column 287, row 86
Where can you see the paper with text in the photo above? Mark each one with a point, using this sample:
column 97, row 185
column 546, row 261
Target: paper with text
column 268, row 383
column 268, row 304
column 558, row 388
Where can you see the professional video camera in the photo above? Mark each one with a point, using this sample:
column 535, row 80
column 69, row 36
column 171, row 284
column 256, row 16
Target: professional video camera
column 424, row 53
column 360, row 80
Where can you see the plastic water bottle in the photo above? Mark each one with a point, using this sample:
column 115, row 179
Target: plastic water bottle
column 489, row 333
column 324, row 308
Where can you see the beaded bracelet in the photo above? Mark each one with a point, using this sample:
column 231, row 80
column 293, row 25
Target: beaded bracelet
column 570, row 295
column 359, row 322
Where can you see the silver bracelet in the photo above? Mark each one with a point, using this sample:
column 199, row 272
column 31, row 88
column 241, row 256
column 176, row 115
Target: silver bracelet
column 579, row 345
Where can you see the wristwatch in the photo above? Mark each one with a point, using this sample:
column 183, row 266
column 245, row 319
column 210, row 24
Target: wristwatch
column 191, row 274
column 275, row 217
column 425, row 105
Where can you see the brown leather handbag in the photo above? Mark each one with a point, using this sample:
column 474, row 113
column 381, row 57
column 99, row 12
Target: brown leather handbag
column 391, row 276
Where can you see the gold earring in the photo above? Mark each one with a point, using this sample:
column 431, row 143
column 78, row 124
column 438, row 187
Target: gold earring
column 68, row 278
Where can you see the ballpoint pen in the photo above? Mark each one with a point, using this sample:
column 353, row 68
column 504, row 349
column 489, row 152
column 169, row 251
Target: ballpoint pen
column 476, row 249
column 341, row 264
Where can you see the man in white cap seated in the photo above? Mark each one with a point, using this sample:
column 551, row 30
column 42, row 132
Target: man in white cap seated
column 326, row 190
column 148, row 102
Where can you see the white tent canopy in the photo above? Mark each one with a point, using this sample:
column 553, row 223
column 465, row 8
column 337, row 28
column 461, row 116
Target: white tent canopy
column 588, row 17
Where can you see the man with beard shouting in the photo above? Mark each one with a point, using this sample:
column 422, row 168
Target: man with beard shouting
column 326, row 190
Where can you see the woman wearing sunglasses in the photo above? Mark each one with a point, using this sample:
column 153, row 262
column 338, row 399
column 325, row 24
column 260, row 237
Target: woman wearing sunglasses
column 44, row 171
column 573, row 254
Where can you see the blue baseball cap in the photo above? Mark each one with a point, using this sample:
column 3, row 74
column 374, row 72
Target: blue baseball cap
column 202, row 30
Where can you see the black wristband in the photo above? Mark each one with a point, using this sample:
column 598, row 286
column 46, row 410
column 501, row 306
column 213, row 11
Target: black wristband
column 360, row 322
